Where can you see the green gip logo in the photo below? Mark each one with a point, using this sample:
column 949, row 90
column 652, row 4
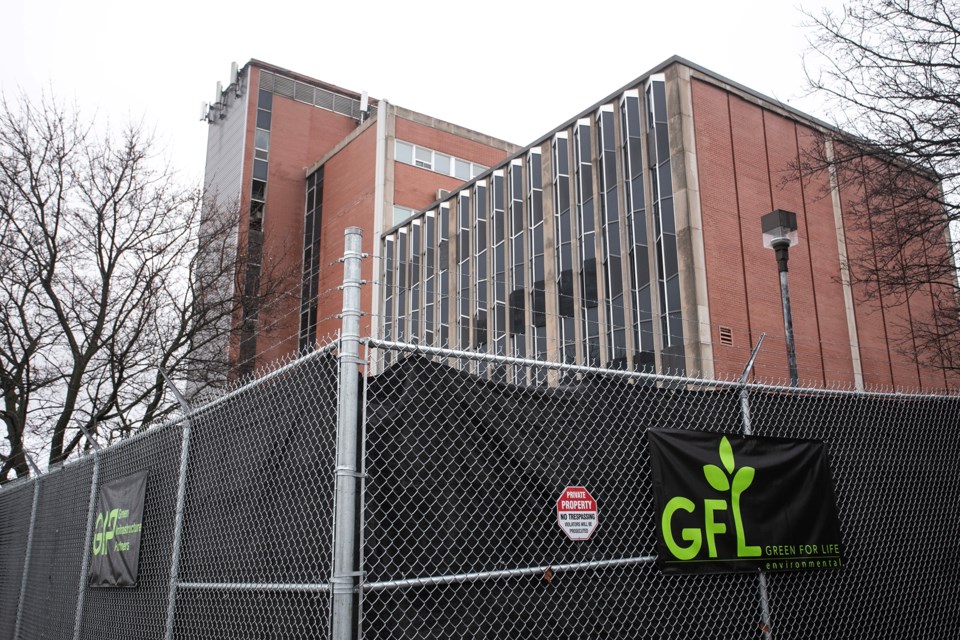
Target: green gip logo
column 106, row 530
column 731, row 482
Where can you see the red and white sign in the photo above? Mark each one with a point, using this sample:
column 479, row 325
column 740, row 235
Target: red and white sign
column 577, row 513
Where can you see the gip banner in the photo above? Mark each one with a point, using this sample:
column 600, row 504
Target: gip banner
column 115, row 553
column 728, row 503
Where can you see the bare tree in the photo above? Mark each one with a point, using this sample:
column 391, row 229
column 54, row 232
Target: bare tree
column 891, row 72
column 107, row 275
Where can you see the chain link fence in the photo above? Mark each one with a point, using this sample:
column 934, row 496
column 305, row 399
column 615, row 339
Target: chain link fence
column 457, row 480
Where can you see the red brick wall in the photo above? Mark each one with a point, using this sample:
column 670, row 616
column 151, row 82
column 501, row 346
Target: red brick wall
column 300, row 135
column 349, row 180
column 746, row 160
column 742, row 154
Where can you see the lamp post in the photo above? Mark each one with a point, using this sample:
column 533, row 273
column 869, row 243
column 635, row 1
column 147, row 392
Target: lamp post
column 779, row 234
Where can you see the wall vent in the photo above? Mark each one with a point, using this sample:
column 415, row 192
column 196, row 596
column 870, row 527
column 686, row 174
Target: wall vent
column 726, row 336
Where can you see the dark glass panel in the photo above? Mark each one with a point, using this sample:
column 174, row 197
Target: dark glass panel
column 538, row 300
column 670, row 255
column 517, row 309
column 660, row 101
column 259, row 169
column 663, row 144
column 480, row 329
column 263, row 119
column 666, row 215
column 566, row 293
column 536, row 213
column 265, row 100
column 613, row 239
column 564, row 231
column 563, row 196
column 258, row 192
column 588, row 251
column 587, row 219
column 589, row 283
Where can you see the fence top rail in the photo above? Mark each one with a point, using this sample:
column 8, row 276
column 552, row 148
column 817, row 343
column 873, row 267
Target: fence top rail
column 703, row 383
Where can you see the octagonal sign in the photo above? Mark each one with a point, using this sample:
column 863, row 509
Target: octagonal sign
column 577, row 513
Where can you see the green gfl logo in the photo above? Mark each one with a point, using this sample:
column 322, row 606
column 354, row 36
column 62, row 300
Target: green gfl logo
column 722, row 481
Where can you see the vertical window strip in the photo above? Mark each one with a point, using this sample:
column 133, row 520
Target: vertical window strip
column 389, row 283
column 668, row 273
column 430, row 276
column 638, row 251
column 309, row 288
column 464, row 251
column 402, row 284
column 564, row 253
column 481, row 242
column 610, row 236
column 538, row 323
column 583, row 185
column 415, row 266
column 443, row 274
column 518, row 298
column 498, row 242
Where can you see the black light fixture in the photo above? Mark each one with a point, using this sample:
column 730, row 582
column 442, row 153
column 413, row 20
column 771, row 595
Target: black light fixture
column 780, row 233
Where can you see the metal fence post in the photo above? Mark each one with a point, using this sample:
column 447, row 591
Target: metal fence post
column 343, row 581
column 82, row 587
column 748, row 430
column 26, row 559
column 181, row 499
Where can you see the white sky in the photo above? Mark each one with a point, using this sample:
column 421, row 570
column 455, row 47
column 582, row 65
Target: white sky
column 514, row 69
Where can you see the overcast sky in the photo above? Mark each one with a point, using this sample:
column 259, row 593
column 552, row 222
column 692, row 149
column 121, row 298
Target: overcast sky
column 513, row 69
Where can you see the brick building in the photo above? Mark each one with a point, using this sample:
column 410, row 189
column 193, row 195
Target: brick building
column 629, row 236
column 303, row 160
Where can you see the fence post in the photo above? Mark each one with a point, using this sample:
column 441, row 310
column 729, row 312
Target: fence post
column 92, row 505
column 748, row 430
column 181, row 499
column 26, row 559
column 343, row 581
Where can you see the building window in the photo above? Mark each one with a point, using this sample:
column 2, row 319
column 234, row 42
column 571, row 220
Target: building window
column 389, row 282
column 464, row 255
column 564, row 252
column 586, row 241
column 402, row 213
column 518, row 264
column 538, row 316
column 610, row 236
column 481, row 242
column 443, row 274
column 631, row 155
column 668, row 272
column 311, row 260
column 425, row 158
column 498, row 242
column 429, row 275
column 415, row 278
column 402, row 282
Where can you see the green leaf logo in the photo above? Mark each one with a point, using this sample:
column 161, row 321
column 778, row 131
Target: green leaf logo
column 726, row 454
column 743, row 479
column 716, row 477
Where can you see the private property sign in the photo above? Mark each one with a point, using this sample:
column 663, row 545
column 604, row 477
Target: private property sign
column 577, row 513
